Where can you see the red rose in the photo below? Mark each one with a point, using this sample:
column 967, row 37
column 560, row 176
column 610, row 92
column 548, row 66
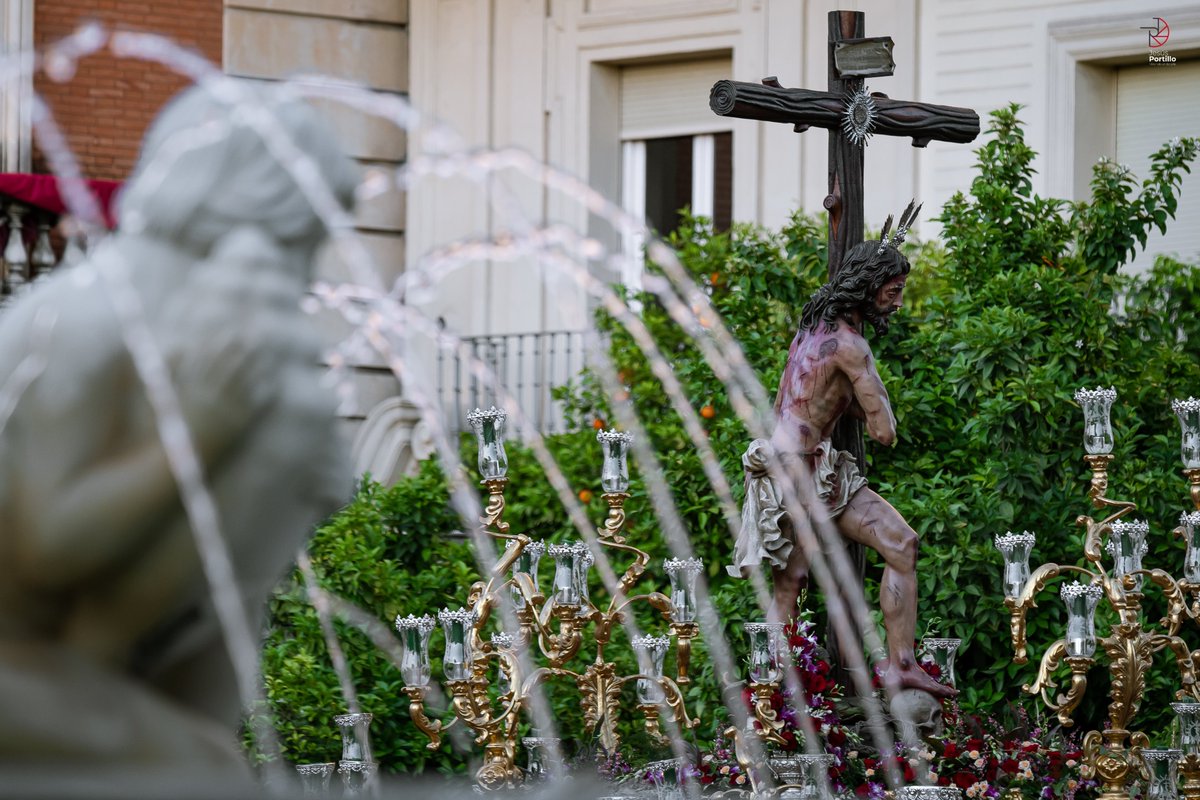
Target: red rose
column 951, row 750
column 1009, row 766
column 963, row 779
column 815, row 683
column 837, row 736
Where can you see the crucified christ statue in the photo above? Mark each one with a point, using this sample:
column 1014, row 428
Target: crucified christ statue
column 831, row 372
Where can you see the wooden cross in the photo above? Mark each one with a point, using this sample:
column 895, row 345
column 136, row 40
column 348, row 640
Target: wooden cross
column 851, row 116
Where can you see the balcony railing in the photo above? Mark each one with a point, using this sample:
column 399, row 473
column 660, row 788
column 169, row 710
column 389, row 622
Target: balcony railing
column 528, row 365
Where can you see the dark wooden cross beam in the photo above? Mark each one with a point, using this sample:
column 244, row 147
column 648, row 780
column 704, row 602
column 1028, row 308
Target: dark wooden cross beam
column 852, row 57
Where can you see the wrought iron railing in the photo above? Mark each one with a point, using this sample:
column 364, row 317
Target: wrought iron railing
column 528, row 365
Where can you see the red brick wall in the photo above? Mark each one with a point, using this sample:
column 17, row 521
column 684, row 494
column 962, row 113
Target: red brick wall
column 106, row 107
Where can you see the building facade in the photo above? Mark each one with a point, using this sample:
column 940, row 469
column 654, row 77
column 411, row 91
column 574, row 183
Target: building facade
column 615, row 93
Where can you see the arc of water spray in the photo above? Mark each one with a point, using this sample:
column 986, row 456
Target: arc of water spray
column 360, row 263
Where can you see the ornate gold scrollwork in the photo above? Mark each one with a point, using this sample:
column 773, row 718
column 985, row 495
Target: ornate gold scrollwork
column 493, row 514
column 416, row 710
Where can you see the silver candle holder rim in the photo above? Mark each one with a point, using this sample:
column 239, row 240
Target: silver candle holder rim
column 562, row 549
column 929, row 793
column 1074, row 590
column 800, row 758
column 649, row 642
column 942, row 643
column 1188, row 406
column 673, row 565
column 1092, row 395
column 1186, row 708
column 1133, row 526
column 503, row 639
column 1162, row 753
column 324, row 768
column 610, row 435
column 1010, row 540
column 534, row 547
column 763, row 627
column 461, row 615
column 1189, row 518
column 347, row 766
column 477, row 416
column 423, row 623
column 346, row 720
column 585, row 553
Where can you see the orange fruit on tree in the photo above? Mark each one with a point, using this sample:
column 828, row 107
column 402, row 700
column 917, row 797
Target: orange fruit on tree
column 598, row 423
column 708, row 412
column 585, row 496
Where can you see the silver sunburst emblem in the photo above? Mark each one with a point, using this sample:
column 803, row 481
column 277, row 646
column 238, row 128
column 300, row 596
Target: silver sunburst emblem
column 858, row 123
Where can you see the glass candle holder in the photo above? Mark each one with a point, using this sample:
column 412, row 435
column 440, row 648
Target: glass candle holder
column 1188, row 412
column 414, row 649
column 489, row 432
column 1189, row 727
column 566, row 591
column 1163, row 766
column 541, row 753
column 766, row 645
column 808, row 771
column 1015, row 548
column 526, row 563
column 503, row 642
column 1097, row 429
column 943, row 652
column 650, row 652
column 458, row 658
column 314, row 778
column 356, row 741
column 614, row 476
column 1189, row 521
column 580, row 570
column 1127, row 545
column 1080, row 600
column 683, row 573
column 356, row 776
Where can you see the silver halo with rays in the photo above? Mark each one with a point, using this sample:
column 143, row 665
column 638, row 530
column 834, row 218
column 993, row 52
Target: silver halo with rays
column 858, row 122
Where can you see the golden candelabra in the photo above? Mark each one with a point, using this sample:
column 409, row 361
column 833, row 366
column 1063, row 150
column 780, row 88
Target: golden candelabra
column 550, row 625
column 1114, row 756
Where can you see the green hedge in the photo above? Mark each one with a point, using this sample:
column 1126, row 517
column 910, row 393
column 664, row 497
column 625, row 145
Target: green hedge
column 1004, row 320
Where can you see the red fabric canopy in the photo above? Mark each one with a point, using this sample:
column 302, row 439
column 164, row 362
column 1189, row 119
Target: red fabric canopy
column 42, row 191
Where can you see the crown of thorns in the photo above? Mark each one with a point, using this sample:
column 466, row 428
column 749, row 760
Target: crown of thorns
column 906, row 220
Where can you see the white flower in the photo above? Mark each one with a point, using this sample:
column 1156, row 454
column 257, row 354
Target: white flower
column 1079, row 344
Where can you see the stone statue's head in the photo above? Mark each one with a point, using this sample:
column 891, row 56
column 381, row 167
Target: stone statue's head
column 856, row 287
column 212, row 164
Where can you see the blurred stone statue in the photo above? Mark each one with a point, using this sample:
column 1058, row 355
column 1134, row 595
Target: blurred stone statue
column 830, row 371
column 110, row 653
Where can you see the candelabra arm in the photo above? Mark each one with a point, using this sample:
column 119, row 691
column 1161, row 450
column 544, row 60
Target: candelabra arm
column 746, row 760
column 656, row 600
column 683, row 632
column 1094, row 531
column 1184, row 661
column 1064, row 704
column 1177, row 606
column 511, row 554
column 1028, row 599
column 672, row 698
column 1044, row 683
column 1193, row 476
column 614, row 525
column 559, row 647
column 416, row 710
column 493, row 513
